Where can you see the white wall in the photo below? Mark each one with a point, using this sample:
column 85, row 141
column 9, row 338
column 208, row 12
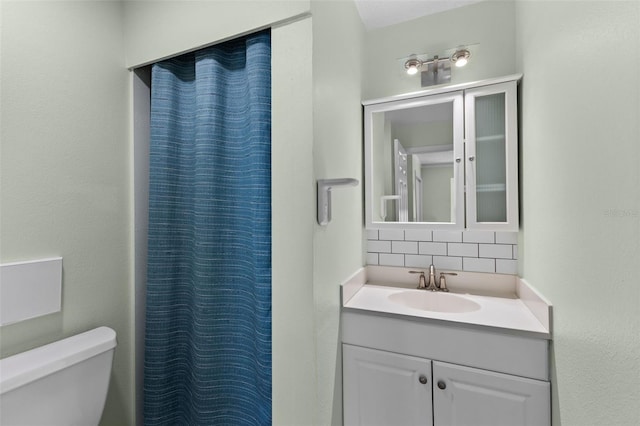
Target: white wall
column 65, row 172
column 337, row 153
column 140, row 101
column 157, row 29
column 581, row 199
column 488, row 24
column 293, row 213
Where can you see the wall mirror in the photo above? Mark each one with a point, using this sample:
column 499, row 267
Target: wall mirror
column 413, row 151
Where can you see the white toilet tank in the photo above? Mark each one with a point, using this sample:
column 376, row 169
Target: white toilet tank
column 63, row 383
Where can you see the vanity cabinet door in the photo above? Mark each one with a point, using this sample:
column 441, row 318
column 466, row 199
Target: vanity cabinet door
column 464, row 396
column 491, row 157
column 384, row 388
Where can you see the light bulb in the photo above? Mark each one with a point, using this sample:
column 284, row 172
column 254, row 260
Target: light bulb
column 461, row 62
column 412, row 65
column 460, row 57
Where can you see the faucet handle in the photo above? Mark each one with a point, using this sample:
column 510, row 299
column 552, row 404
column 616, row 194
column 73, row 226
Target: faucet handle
column 443, row 280
column 422, row 283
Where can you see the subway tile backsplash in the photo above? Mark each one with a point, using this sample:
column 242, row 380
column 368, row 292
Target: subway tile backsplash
column 477, row 251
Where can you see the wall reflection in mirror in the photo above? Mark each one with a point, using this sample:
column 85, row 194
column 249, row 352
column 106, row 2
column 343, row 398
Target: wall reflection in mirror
column 413, row 159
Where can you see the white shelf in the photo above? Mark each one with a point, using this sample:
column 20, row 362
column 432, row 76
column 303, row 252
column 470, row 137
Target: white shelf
column 490, row 138
column 491, row 187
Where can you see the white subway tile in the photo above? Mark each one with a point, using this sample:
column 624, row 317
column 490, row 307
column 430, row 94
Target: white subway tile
column 462, row 249
column 478, row 265
column 372, row 258
column 372, row 234
column 417, row 261
column 417, row 235
column 479, row 237
column 391, row 234
column 447, row 263
column 391, row 259
column 448, row 236
column 379, row 246
column 506, row 266
column 515, row 251
column 432, row 248
column 408, row 247
column 501, row 251
column 506, row 237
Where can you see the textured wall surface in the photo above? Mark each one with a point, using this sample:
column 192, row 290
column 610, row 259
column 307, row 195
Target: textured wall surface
column 581, row 203
column 159, row 29
column 337, row 153
column 487, row 26
column 293, row 204
column 65, row 172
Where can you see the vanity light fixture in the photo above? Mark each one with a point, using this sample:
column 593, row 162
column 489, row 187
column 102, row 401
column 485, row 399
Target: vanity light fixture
column 460, row 58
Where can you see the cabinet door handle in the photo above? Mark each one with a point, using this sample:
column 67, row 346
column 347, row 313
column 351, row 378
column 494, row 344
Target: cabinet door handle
column 423, row 379
column 442, row 384
column 472, row 158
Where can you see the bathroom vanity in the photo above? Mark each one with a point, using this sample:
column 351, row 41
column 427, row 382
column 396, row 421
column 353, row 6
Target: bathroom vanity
column 478, row 355
column 444, row 160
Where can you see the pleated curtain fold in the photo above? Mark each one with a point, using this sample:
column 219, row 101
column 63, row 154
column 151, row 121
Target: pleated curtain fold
column 208, row 305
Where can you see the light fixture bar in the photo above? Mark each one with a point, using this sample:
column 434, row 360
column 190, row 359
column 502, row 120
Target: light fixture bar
column 460, row 58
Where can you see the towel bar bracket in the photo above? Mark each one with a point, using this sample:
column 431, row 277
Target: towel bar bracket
column 324, row 187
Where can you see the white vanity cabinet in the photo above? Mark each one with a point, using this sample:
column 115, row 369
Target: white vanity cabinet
column 384, row 388
column 444, row 158
column 470, row 396
column 399, row 371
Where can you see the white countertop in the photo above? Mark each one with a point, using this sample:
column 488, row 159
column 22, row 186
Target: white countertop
column 498, row 312
column 517, row 310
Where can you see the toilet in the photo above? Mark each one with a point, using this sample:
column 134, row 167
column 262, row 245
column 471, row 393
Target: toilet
column 63, row 383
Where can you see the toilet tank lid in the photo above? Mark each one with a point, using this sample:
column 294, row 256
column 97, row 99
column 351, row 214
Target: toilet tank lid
column 25, row 367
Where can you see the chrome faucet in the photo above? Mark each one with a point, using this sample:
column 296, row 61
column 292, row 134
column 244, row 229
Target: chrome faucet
column 431, row 283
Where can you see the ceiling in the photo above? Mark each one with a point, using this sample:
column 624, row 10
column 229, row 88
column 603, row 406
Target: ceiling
column 381, row 13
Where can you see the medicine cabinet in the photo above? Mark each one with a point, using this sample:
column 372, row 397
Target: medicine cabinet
column 445, row 158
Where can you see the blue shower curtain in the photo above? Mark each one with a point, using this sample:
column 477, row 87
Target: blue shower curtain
column 208, row 320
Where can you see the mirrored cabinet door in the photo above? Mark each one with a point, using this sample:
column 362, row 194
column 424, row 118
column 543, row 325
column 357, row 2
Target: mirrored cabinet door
column 414, row 168
column 491, row 157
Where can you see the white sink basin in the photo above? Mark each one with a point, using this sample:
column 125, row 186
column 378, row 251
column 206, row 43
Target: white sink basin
column 434, row 301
